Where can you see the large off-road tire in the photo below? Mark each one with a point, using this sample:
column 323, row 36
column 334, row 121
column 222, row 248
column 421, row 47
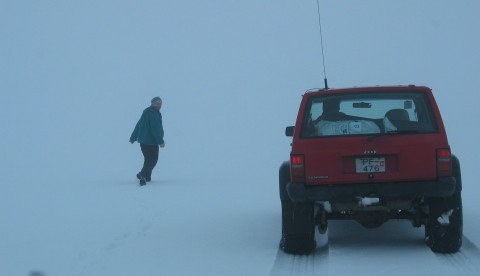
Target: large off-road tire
column 298, row 228
column 444, row 227
column 298, row 224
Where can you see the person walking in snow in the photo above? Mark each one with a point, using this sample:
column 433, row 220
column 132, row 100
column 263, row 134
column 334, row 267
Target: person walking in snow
column 149, row 133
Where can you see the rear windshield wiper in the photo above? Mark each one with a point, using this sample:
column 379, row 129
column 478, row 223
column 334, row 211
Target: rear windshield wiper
column 391, row 132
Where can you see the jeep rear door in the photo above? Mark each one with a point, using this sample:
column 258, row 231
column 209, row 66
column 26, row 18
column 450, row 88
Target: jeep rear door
column 370, row 135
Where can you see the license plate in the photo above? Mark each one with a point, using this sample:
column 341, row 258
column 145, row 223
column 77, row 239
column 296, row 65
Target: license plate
column 370, row 164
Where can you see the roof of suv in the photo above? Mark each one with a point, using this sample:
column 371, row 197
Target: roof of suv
column 369, row 88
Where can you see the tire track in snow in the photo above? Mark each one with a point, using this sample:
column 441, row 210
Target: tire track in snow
column 466, row 261
column 289, row 265
column 303, row 265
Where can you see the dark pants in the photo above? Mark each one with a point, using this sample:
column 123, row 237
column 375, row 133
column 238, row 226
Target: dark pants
column 150, row 154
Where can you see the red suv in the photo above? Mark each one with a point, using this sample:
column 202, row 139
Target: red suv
column 370, row 154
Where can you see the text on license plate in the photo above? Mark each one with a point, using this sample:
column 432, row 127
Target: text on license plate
column 370, row 164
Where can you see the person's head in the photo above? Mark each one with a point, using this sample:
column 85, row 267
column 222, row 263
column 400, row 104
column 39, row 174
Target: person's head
column 157, row 102
column 331, row 106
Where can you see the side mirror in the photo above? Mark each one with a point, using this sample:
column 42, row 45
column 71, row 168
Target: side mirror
column 289, row 131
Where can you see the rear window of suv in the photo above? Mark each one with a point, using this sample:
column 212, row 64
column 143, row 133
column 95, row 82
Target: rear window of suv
column 367, row 113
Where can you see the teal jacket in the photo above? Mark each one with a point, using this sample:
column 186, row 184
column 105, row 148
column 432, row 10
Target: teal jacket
column 149, row 129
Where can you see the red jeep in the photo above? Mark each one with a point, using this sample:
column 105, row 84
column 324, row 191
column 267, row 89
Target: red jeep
column 370, row 154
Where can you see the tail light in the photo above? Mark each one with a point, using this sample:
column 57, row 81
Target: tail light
column 298, row 168
column 444, row 162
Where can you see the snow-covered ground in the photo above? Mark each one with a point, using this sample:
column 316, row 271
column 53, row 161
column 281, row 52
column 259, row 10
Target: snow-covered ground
column 75, row 76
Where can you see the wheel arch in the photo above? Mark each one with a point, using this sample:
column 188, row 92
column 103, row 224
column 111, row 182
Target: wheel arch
column 283, row 179
column 456, row 172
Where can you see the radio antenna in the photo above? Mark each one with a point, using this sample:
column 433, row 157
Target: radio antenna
column 321, row 42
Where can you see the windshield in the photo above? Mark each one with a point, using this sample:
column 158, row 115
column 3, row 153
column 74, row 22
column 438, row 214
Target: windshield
column 368, row 113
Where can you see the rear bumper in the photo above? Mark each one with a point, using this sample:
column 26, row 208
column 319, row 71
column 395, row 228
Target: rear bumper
column 443, row 187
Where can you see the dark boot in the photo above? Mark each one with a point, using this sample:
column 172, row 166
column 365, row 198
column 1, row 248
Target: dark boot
column 142, row 179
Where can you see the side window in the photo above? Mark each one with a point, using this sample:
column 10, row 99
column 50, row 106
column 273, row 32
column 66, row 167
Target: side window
column 409, row 106
column 316, row 110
